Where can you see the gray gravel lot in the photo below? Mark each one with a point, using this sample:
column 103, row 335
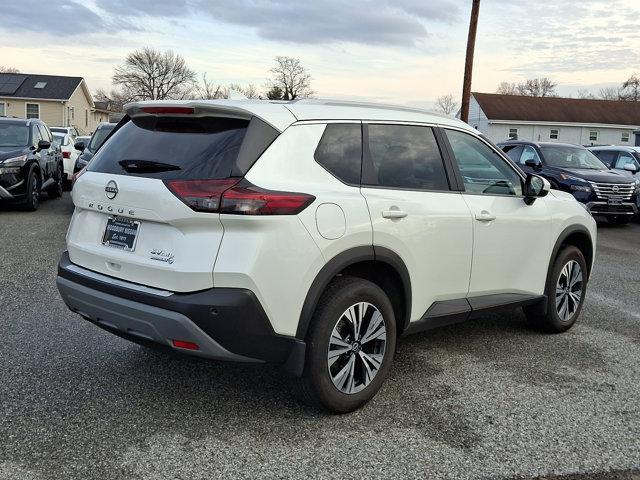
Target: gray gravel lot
column 485, row 399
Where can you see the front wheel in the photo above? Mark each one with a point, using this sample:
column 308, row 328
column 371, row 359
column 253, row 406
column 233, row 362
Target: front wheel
column 566, row 289
column 32, row 201
column 350, row 346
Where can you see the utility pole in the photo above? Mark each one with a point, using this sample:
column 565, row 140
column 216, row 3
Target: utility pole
column 468, row 65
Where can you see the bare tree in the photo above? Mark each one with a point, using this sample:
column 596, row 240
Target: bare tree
column 631, row 89
column 508, row 88
column 291, row 77
column 251, row 91
column 538, row 87
column 4, row 69
column 609, row 93
column 585, row 94
column 117, row 99
column 153, row 75
column 209, row 90
column 447, row 104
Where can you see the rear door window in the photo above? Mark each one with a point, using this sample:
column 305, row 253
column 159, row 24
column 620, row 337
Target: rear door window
column 404, row 156
column 340, row 151
column 169, row 148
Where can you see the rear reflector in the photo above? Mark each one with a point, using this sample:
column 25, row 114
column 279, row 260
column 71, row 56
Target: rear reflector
column 185, row 344
column 235, row 197
column 168, row 110
column 66, row 154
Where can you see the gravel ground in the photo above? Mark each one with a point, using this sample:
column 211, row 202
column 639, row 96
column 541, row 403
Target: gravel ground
column 485, row 399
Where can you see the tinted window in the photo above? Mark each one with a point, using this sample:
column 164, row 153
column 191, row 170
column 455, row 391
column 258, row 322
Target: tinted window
column 340, row 151
column 405, row 157
column 607, row 156
column 482, row 169
column 513, row 152
column 529, row 153
column 36, row 136
column 567, row 156
column 60, row 138
column 99, row 136
column 13, row 135
column 624, row 159
column 172, row 148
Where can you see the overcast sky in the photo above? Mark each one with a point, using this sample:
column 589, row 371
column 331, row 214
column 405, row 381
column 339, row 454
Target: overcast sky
column 400, row 51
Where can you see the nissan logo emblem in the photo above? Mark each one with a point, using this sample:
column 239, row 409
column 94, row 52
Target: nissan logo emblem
column 111, row 190
column 615, row 189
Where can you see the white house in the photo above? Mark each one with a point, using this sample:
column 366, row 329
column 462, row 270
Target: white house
column 555, row 119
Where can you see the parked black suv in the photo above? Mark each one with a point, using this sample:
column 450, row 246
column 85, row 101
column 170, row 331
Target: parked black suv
column 88, row 151
column 30, row 162
column 576, row 170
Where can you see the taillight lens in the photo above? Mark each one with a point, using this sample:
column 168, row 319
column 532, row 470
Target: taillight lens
column 201, row 195
column 235, row 197
column 66, row 154
column 168, row 110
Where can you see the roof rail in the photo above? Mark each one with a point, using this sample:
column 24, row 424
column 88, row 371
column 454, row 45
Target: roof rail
column 351, row 103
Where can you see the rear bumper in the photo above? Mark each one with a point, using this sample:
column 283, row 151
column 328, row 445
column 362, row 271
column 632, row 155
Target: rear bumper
column 226, row 323
column 603, row 208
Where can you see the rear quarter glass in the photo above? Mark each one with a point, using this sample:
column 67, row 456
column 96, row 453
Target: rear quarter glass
column 170, row 148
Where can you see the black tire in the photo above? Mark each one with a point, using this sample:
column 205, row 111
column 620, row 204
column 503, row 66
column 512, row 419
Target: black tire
column 553, row 320
column 55, row 191
column 619, row 219
column 32, row 201
column 316, row 386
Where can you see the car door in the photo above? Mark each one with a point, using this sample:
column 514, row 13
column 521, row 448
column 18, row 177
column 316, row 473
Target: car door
column 415, row 213
column 511, row 240
column 48, row 156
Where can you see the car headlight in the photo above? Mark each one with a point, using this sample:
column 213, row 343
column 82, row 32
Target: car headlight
column 580, row 188
column 13, row 165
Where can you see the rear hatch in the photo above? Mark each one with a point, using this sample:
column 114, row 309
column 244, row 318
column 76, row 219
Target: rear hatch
column 141, row 214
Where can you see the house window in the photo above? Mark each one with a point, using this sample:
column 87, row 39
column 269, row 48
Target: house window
column 625, row 137
column 40, row 85
column 3, row 109
column 32, row 110
column 86, row 118
column 554, row 133
column 513, row 134
column 593, row 135
column 73, row 113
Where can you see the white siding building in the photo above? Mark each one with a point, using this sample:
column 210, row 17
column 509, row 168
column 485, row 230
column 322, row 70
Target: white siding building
column 554, row 119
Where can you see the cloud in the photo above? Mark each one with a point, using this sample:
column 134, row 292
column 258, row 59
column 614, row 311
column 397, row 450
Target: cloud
column 368, row 22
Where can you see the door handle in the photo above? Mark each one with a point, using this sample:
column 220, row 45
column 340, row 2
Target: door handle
column 393, row 213
column 485, row 216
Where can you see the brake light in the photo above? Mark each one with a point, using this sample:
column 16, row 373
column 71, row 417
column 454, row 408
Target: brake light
column 200, row 195
column 185, row 344
column 168, row 110
column 66, row 154
column 232, row 196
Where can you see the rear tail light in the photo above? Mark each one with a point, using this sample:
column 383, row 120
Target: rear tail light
column 66, row 154
column 168, row 110
column 185, row 344
column 232, row 196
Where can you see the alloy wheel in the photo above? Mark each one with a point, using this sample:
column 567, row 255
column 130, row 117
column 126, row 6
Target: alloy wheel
column 569, row 290
column 357, row 347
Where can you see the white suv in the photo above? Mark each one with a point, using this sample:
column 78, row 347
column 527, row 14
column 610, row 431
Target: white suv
column 312, row 235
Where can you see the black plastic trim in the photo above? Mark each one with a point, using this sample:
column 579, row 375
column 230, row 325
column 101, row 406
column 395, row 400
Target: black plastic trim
column 344, row 260
column 458, row 310
column 260, row 135
column 233, row 317
column 560, row 241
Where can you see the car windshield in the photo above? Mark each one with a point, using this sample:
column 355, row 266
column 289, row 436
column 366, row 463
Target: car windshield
column 566, row 156
column 58, row 138
column 98, row 137
column 13, row 135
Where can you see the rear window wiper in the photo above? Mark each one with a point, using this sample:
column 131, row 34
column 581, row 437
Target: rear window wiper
column 146, row 166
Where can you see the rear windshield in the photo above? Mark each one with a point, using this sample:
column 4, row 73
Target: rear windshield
column 98, row 137
column 173, row 148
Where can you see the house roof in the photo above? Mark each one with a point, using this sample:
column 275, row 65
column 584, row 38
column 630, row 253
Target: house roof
column 104, row 106
column 52, row 87
column 556, row 109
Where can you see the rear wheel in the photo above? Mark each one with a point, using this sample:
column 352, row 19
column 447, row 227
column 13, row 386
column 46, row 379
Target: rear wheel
column 619, row 219
column 350, row 346
column 55, row 191
column 566, row 289
column 32, row 201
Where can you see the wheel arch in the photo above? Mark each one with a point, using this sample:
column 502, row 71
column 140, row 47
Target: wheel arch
column 579, row 237
column 380, row 265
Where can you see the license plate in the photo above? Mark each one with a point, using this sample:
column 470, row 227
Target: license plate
column 614, row 201
column 121, row 233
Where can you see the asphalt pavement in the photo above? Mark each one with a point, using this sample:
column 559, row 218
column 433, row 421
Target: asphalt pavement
column 486, row 399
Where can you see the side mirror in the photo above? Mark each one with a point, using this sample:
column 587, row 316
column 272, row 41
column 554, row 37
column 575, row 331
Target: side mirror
column 79, row 146
column 533, row 163
column 44, row 145
column 630, row 167
column 535, row 187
